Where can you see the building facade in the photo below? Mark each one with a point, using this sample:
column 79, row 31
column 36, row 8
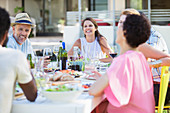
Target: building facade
column 51, row 15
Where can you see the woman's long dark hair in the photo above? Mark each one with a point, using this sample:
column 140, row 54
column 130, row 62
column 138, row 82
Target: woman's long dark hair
column 97, row 33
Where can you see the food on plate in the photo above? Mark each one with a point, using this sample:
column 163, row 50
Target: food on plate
column 57, row 76
column 67, row 71
column 66, row 77
column 60, row 88
column 86, row 85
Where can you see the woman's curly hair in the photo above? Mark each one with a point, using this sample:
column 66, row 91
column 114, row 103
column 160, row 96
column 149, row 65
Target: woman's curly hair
column 136, row 29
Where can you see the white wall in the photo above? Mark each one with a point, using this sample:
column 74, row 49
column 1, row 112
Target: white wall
column 9, row 5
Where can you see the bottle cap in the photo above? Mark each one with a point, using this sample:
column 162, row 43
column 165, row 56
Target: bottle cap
column 63, row 44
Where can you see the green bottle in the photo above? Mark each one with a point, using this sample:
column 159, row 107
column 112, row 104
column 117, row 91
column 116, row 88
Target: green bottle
column 59, row 58
column 64, row 57
column 29, row 57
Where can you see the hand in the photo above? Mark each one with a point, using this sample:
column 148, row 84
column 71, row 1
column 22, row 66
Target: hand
column 46, row 61
column 95, row 75
column 106, row 60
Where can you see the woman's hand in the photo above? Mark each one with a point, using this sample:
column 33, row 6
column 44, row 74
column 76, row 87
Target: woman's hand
column 106, row 60
column 95, row 75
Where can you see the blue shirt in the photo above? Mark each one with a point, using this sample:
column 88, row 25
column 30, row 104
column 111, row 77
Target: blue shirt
column 26, row 47
column 156, row 40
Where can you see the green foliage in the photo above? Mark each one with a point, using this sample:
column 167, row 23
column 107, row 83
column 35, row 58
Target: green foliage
column 18, row 9
column 136, row 4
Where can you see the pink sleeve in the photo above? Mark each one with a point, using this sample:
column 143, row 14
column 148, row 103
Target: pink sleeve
column 120, row 82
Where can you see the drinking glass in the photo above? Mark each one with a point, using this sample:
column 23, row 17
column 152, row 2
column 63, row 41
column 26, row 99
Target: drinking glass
column 55, row 51
column 39, row 66
column 48, row 52
column 40, row 76
column 115, row 51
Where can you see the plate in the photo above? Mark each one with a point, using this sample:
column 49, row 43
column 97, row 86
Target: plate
column 91, row 78
column 18, row 92
column 55, row 83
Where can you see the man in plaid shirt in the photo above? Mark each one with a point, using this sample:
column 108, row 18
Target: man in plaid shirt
column 156, row 40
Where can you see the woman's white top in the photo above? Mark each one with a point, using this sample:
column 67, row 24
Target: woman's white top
column 91, row 50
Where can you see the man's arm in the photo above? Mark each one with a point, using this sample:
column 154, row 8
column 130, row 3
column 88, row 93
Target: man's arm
column 25, row 78
column 150, row 52
column 30, row 90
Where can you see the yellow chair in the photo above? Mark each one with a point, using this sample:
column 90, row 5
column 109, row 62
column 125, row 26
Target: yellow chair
column 163, row 89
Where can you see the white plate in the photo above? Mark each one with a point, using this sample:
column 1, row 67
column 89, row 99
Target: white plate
column 91, row 78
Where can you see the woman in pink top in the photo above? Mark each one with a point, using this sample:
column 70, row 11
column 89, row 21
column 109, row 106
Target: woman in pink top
column 127, row 84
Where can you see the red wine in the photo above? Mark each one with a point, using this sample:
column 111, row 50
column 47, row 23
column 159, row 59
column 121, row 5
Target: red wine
column 113, row 55
column 64, row 63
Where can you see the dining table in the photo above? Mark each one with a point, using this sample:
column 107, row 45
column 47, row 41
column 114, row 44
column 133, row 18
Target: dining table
column 83, row 104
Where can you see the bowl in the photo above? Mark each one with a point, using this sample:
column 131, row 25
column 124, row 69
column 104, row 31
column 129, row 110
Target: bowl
column 62, row 95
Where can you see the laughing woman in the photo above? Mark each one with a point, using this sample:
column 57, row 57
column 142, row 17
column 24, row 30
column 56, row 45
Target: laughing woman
column 127, row 84
column 93, row 43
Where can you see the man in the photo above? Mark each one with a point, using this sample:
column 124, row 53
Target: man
column 21, row 31
column 13, row 67
column 157, row 41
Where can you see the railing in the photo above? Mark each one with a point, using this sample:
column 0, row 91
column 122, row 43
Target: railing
column 157, row 15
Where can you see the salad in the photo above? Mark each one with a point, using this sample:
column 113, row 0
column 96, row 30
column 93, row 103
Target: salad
column 61, row 88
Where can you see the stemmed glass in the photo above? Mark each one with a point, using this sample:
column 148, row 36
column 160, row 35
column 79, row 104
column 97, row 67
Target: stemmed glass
column 115, row 51
column 55, row 51
column 47, row 53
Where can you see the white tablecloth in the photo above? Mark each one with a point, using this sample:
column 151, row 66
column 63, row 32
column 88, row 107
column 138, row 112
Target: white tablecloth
column 83, row 104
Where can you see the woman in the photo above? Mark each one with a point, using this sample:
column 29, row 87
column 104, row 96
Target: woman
column 153, row 49
column 93, row 43
column 127, row 83
column 146, row 49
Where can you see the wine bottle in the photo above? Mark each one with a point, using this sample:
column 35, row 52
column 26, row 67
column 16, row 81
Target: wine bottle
column 64, row 57
column 29, row 57
column 59, row 58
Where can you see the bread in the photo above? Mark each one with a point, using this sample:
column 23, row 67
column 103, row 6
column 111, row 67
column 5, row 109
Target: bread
column 67, row 77
column 57, row 76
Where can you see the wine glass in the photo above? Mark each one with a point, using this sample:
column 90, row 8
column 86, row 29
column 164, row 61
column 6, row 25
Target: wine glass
column 115, row 51
column 55, row 51
column 47, row 52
